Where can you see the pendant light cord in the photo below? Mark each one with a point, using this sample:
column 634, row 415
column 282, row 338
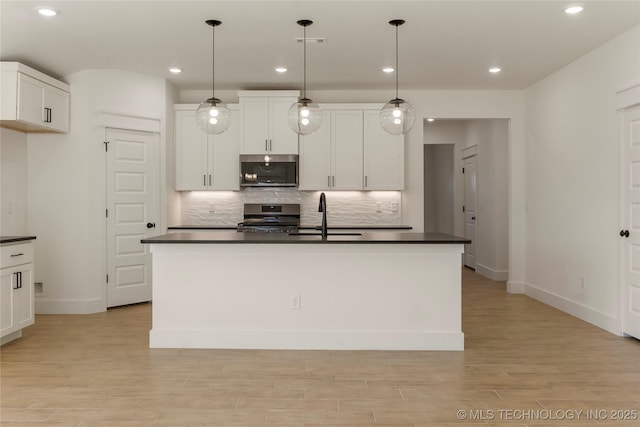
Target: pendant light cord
column 213, row 60
column 397, row 71
column 304, row 42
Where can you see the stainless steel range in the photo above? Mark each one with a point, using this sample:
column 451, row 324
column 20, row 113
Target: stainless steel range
column 270, row 218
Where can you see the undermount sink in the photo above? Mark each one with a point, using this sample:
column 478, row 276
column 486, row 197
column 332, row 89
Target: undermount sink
column 317, row 233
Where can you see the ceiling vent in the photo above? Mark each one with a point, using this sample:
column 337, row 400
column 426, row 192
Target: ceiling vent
column 311, row 40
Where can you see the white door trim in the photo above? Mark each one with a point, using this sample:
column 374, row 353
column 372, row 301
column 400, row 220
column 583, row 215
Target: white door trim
column 624, row 99
column 118, row 120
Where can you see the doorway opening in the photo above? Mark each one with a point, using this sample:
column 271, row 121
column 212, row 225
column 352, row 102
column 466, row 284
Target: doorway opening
column 469, row 206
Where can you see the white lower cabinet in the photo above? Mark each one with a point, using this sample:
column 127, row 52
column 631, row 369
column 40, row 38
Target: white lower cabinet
column 16, row 290
column 351, row 151
column 203, row 161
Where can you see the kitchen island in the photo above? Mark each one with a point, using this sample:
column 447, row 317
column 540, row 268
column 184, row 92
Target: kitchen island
column 374, row 291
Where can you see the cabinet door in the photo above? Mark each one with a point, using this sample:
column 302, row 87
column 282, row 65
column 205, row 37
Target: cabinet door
column 283, row 139
column 23, row 297
column 57, row 101
column 223, row 161
column 255, row 125
column 8, row 282
column 383, row 156
column 30, row 100
column 315, row 157
column 191, row 152
column 346, row 145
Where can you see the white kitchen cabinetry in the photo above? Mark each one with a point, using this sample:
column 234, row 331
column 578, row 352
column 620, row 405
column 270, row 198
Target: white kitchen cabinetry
column 16, row 290
column 33, row 101
column 264, row 123
column 383, row 155
column 331, row 157
column 203, row 161
column 351, row 151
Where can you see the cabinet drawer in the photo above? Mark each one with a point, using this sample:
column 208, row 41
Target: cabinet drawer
column 16, row 254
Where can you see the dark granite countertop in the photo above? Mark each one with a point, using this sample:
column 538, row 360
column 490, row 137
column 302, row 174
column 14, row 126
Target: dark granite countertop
column 15, row 239
column 373, row 237
column 302, row 227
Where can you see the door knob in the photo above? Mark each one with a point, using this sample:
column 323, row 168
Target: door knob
column 151, row 225
column 624, row 233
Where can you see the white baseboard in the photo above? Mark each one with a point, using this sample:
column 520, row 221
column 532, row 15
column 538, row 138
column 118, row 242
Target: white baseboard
column 495, row 275
column 69, row 306
column 306, row 340
column 588, row 314
column 516, row 287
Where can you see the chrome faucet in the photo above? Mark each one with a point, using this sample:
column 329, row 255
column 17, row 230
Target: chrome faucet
column 323, row 208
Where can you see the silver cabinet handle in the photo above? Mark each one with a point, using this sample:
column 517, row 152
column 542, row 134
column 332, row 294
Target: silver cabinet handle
column 366, row 181
column 204, row 179
column 270, row 147
column 15, row 255
column 266, row 145
column 209, row 180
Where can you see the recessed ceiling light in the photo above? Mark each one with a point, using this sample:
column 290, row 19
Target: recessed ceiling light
column 572, row 10
column 47, row 12
column 495, row 70
column 175, row 70
column 430, row 119
column 281, row 69
column 388, row 69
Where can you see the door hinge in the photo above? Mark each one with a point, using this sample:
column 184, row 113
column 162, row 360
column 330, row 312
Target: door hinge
column 462, row 170
column 107, row 278
column 106, row 213
column 106, row 146
column 462, row 208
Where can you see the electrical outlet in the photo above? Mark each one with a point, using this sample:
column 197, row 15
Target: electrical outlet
column 296, row 301
column 38, row 288
column 394, row 206
column 378, row 207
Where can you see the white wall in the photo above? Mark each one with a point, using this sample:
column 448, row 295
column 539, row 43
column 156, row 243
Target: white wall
column 13, row 183
column 66, row 195
column 573, row 180
column 492, row 139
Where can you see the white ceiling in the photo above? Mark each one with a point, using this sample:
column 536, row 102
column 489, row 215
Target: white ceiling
column 443, row 45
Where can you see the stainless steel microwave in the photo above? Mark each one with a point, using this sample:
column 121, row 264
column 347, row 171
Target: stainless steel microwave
column 278, row 170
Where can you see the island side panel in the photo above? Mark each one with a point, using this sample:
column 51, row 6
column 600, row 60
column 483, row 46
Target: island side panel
column 355, row 296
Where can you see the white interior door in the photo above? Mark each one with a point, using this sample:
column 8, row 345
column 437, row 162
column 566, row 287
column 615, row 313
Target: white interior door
column 470, row 197
column 631, row 223
column 132, row 212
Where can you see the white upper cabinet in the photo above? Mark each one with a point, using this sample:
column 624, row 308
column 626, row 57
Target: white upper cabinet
column 383, row 155
column 346, row 137
column 203, row 161
column 331, row 157
column 265, row 127
column 351, row 151
column 32, row 101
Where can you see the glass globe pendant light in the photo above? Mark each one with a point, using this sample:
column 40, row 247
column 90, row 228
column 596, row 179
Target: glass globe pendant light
column 397, row 116
column 213, row 116
column 305, row 116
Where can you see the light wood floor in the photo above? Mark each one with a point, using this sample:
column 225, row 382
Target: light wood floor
column 525, row 364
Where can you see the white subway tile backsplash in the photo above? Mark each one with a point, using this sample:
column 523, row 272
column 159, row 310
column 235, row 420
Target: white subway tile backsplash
column 343, row 207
